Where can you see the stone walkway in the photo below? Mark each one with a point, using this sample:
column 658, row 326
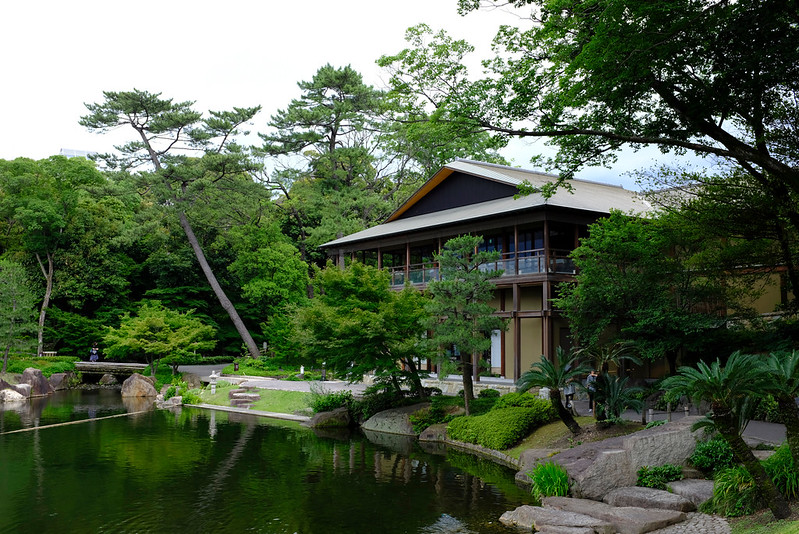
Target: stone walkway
column 698, row 524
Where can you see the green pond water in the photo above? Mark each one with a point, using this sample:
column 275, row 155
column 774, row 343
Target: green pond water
column 207, row 471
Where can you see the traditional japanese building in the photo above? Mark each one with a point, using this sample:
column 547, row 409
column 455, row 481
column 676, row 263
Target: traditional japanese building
column 534, row 235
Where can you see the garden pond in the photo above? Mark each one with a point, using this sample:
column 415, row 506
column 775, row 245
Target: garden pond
column 122, row 467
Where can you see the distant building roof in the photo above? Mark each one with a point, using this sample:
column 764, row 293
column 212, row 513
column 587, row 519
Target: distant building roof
column 584, row 195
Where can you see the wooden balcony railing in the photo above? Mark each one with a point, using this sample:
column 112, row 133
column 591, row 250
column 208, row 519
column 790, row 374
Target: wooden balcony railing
column 511, row 263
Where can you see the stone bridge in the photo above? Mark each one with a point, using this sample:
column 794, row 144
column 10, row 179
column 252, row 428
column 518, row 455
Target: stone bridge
column 120, row 370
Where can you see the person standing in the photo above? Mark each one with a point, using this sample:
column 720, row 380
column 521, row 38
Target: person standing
column 590, row 385
column 94, row 353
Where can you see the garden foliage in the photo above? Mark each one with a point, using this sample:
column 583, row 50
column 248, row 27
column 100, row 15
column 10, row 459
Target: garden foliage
column 658, row 476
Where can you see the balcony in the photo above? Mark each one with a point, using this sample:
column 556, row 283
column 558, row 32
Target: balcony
column 511, row 263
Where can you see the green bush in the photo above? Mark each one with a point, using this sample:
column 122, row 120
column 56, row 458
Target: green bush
column 711, row 456
column 425, row 417
column 657, row 477
column 549, row 480
column 48, row 365
column 325, row 402
column 780, row 468
column 524, row 400
column 375, row 399
column 653, row 424
column 488, row 393
column 192, row 397
column 767, row 410
column 734, row 493
column 498, row 429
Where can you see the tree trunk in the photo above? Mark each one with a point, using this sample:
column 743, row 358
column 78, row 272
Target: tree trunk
column 774, row 499
column 48, row 276
column 468, row 386
column 416, row 382
column 790, row 416
column 252, row 348
column 564, row 414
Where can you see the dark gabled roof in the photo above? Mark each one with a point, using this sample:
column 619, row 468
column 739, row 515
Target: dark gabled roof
column 584, row 196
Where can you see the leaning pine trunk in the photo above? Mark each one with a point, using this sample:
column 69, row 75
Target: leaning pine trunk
column 252, row 348
column 48, row 291
column 774, row 499
column 564, row 414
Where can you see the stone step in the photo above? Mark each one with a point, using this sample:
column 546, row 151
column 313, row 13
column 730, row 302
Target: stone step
column 698, row 491
column 626, row 520
column 233, row 392
column 241, row 403
column 648, row 498
column 249, row 397
column 554, row 521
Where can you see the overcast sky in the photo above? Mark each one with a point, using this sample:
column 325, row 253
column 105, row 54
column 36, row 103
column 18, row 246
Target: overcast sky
column 60, row 54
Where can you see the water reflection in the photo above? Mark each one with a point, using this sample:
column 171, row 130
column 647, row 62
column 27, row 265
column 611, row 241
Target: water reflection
column 158, row 471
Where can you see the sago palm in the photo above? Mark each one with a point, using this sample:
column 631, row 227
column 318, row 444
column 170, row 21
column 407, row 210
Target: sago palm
column 783, row 369
column 613, row 397
column 725, row 388
column 555, row 376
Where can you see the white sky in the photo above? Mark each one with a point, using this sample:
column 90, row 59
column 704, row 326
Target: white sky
column 58, row 54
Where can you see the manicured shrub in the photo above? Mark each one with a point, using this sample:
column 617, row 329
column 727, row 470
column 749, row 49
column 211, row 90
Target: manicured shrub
column 498, row 429
column 524, row 400
column 734, row 493
column 713, row 455
column 780, row 468
column 488, row 393
column 549, row 480
column 657, row 477
column 192, row 397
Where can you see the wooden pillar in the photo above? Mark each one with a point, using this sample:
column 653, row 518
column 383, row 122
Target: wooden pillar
column 515, row 249
column 517, row 334
column 407, row 261
column 546, row 321
column 502, row 336
column 546, row 246
column 379, row 258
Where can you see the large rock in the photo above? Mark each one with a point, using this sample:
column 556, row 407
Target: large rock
column 137, row 385
column 597, row 468
column 10, row 395
column 553, row 520
column 648, row 498
column 394, row 421
column 340, row 417
column 698, row 491
column 192, row 380
column 60, row 381
column 40, row 386
column 108, row 380
column 625, row 520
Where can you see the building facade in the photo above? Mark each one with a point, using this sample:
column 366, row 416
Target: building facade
column 534, row 235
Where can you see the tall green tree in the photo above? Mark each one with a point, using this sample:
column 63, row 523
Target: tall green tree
column 594, row 76
column 650, row 282
column 462, row 319
column 17, row 310
column 726, row 387
column 156, row 332
column 166, row 130
column 344, row 154
column 41, row 202
column 357, row 325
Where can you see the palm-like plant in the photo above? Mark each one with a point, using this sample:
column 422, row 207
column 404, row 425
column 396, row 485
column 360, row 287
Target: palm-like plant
column 613, row 397
column 555, row 376
column 783, row 368
column 615, row 353
column 725, row 388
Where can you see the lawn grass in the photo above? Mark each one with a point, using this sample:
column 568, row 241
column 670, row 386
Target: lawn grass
column 272, row 400
column 557, row 435
column 763, row 523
